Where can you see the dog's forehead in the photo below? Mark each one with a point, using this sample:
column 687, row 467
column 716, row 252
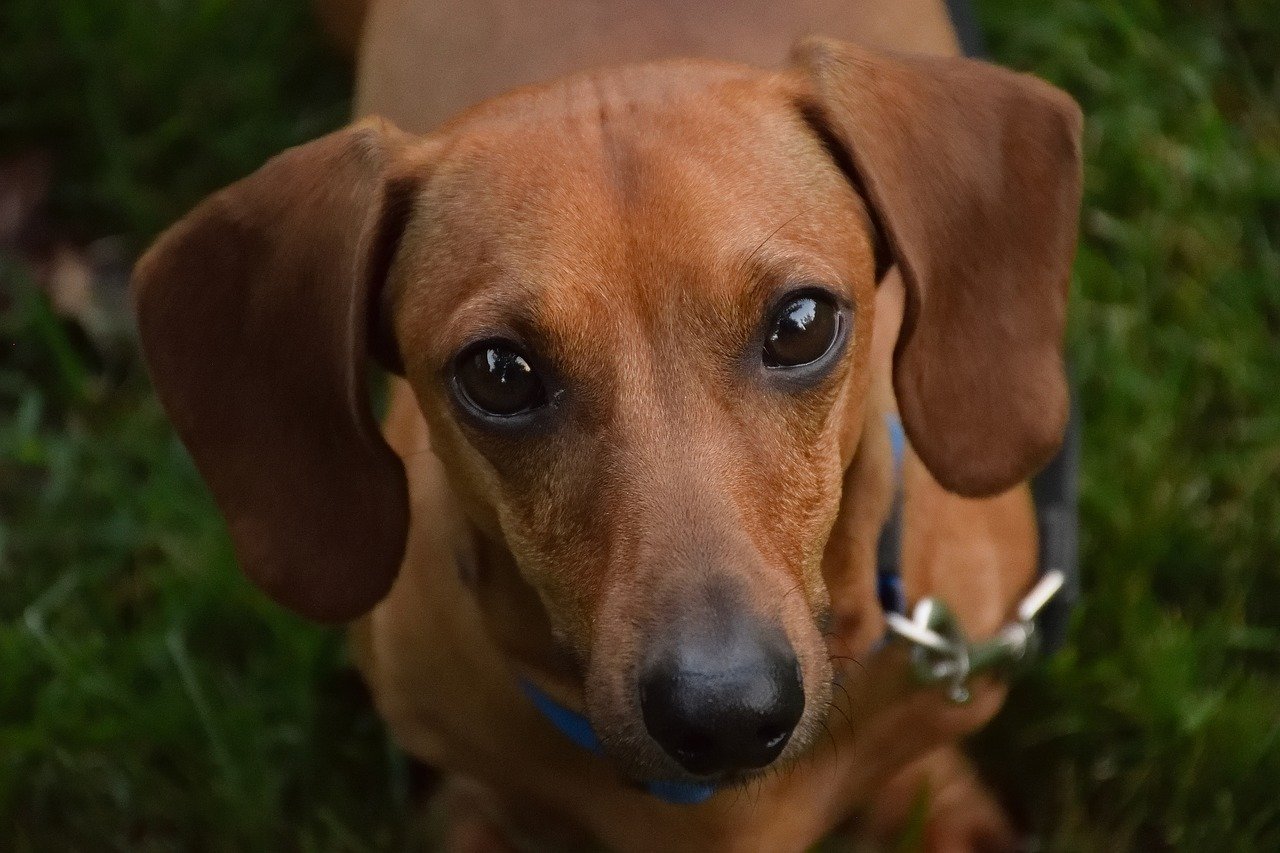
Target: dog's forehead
column 647, row 188
column 637, row 145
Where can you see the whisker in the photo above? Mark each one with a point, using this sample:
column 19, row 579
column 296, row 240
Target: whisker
column 813, row 755
column 834, row 745
column 846, row 693
column 773, row 234
column 849, row 658
column 781, row 601
column 791, row 769
column 794, row 588
column 859, row 664
column 847, row 718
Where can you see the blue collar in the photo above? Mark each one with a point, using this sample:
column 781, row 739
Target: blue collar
column 578, row 729
column 889, row 547
column 1055, row 493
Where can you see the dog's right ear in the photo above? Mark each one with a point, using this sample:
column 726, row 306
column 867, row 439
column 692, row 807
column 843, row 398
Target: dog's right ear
column 254, row 314
column 974, row 175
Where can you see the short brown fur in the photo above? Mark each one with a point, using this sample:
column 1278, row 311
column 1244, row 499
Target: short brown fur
column 632, row 228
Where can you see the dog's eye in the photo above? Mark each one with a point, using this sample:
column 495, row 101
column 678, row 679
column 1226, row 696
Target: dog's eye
column 802, row 332
column 498, row 380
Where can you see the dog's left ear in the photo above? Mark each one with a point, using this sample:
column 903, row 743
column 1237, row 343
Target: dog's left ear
column 255, row 313
column 974, row 175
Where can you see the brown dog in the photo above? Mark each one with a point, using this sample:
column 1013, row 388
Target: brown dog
column 646, row 326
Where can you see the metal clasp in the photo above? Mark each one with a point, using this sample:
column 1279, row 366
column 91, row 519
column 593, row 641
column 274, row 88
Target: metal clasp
column 942, row 654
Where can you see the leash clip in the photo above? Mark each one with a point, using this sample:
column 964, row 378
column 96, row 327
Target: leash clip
column 942, row 654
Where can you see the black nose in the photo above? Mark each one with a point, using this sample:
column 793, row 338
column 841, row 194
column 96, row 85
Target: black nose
column 718, row 704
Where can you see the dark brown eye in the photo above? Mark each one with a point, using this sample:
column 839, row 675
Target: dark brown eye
column 498, row 380
column 802, row 332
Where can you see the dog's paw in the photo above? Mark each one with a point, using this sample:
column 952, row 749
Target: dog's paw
column 938, row 804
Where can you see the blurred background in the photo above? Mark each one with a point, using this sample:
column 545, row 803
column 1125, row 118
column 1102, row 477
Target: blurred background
column 150, row 699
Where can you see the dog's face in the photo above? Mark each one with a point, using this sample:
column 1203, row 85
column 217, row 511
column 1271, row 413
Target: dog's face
column 636, row 312
column 635, row 308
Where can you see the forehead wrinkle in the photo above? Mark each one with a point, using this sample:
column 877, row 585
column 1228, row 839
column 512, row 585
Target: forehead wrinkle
column 696, row 227
column 537, row 239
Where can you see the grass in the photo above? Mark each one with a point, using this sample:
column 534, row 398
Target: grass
column 151, row 700
column 1159, row 727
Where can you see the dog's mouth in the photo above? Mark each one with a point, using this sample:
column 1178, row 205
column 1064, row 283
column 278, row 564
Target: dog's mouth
column 724, row 781
column 667, row 779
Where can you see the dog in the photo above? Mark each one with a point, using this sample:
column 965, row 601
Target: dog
column 611, row 552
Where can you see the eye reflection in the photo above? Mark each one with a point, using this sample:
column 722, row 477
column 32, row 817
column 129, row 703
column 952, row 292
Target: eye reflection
column 496, row 378
column 803, row 331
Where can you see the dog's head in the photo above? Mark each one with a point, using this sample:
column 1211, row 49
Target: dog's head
column 635, row 307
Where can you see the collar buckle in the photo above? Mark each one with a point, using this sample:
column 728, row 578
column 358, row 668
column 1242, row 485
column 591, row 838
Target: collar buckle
column 942, row 654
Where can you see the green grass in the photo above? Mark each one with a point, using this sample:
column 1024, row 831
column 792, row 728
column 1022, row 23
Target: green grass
column 150, row 699
column 1159, row 727
column 150, row 104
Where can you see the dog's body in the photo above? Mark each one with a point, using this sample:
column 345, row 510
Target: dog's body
column 421, row 62
column 628, row 228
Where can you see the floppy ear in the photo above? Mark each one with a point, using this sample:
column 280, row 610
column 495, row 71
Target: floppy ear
column 254, row 314
column 973, row 173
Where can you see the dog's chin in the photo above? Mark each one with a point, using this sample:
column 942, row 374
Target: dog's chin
column 642, row 771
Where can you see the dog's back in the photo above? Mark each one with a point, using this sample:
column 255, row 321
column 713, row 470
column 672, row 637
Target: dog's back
column 422, row 61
